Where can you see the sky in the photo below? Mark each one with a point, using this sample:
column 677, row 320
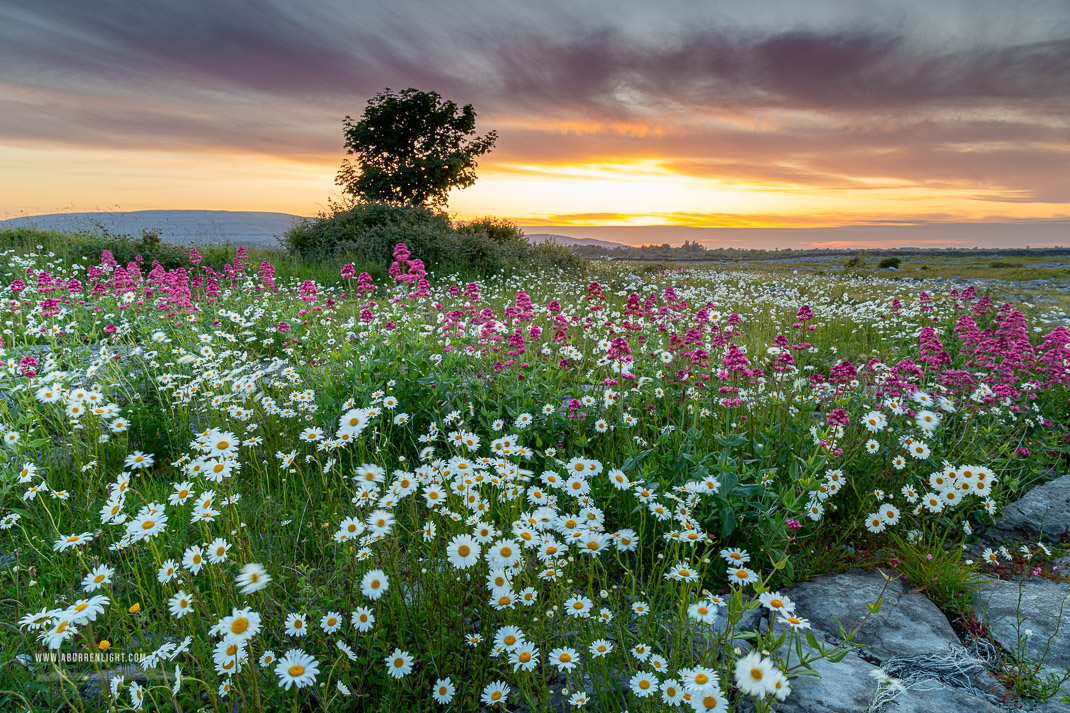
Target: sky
column 765, row 115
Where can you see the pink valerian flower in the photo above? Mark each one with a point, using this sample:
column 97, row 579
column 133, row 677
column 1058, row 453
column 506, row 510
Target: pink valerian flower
column 266, row 273
column 422, row 287
column 365, row 286
column 17, row 286
column 619, row 349
column 838, row 417
column 404, row 269
column 348, row 271
column 794, row 524
column 28, row 367
column 111, row 329
column 283, row 327
column 735, row 359
column 50, row 307
column 194, row 256
column 842, row 373
column 308, row 291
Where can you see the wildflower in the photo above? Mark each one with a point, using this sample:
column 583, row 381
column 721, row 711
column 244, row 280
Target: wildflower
column 253, row 578
column 331, row 622
column 702, row 612
column 735, row 556
column 295, row 625
column 463, row 551
column 600, row 648
column 495, row 693
column 296, row 668
column 398, row 663
column 443, row 691
column 374, row 584
column 875, row 522
column 754, row 675
column 180, row 604
column 524, row 657
column 699, row 681
column 741, row 575
column 672, row 693
column 65, row 543
column 578, row 606
column 793, row 621
column 168, row 571
column 579, row 699
column 564, row 658
column 193, row 559
column 137, row 695
column 217, row 550
column 643, row 685
column 363, row 619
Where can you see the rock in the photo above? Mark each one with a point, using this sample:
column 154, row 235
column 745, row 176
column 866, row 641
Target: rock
column 849, row 687
column 1042, row 603
column 946, row 699
column 908, row 624
column 1043, row 512
column 844, row 687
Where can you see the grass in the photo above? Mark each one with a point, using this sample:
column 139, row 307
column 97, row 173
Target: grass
column 688, row 442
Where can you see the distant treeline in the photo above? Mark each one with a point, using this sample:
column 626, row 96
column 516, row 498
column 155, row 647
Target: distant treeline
column 694, row 251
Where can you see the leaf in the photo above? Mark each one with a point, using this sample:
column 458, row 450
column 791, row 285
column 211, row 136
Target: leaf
column 728, row 520
column 812, row 640
column 837, row 656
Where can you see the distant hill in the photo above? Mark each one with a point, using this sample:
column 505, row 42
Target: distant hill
column 251, row 228
column 570, row 241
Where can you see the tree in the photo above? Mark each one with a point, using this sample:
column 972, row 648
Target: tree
column 411, row 147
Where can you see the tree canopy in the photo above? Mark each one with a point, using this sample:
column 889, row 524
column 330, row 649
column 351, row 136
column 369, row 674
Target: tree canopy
column 411, row 147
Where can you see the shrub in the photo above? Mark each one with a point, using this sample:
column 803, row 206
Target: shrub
column 889, row 263
column 80, row 247
column 367, row 232
column 497, row 229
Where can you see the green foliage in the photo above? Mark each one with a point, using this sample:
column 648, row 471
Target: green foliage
column 889, row 262
column 79, row 247
column 939, row 569
column 497, row 229
column 368, row 232
column 857, row 262
column 411, row 147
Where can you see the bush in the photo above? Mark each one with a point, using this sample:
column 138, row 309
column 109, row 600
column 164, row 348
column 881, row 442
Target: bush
column 368, row 232
column 82, row 247
column 497, row 229
column 889, row 263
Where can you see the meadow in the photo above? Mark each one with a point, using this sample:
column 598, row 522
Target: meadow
column 233, row 488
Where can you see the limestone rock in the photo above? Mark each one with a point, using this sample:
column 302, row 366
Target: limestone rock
column 1043, row 512
column 908, row 624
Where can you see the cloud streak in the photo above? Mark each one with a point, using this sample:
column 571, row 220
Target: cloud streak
column 846, row 97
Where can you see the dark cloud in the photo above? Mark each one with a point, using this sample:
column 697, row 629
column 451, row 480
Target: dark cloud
column 838, row 104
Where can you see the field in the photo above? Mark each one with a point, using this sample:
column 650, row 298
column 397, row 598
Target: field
column 233, row 489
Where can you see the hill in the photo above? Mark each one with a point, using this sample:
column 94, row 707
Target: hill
column 250, row 228
column 569, row 241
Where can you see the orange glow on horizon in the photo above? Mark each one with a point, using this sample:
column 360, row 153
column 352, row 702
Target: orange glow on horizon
column 647, row 191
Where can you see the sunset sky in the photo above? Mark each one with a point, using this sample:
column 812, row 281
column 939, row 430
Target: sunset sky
column 767, row 114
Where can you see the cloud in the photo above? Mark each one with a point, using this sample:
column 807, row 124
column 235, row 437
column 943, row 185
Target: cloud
column 836, row 96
